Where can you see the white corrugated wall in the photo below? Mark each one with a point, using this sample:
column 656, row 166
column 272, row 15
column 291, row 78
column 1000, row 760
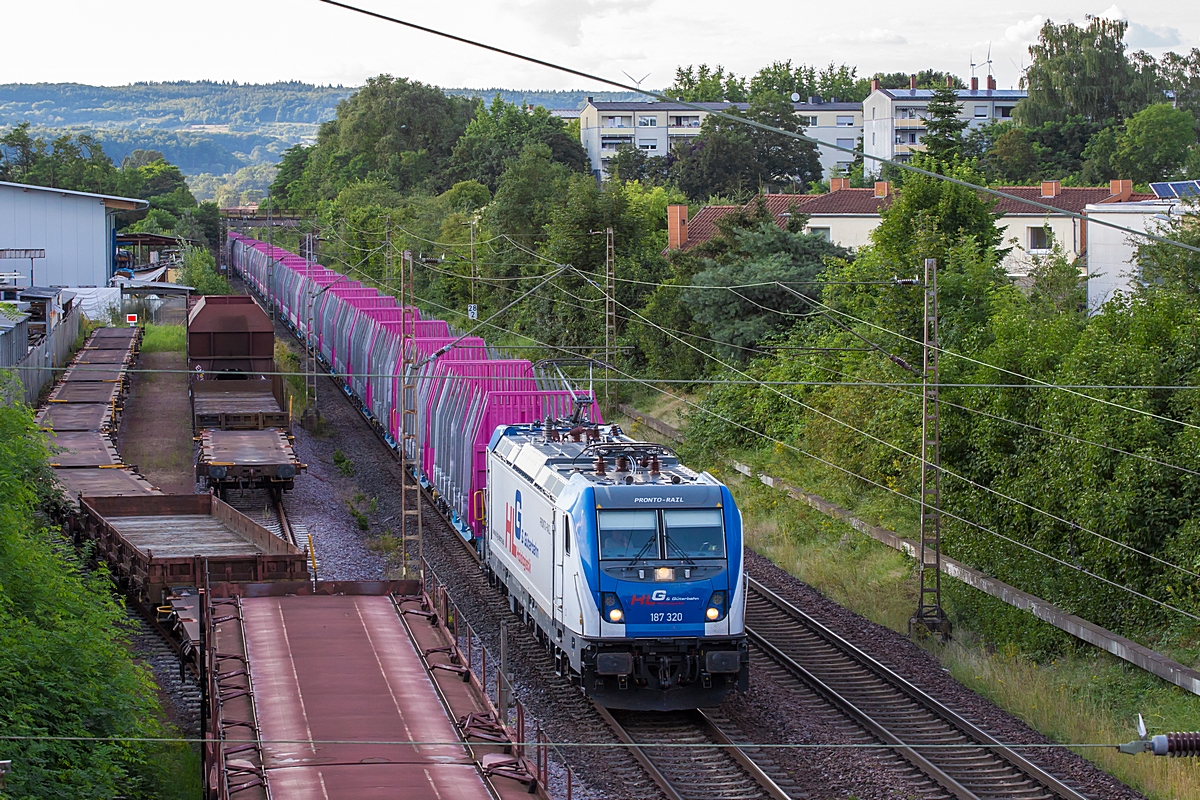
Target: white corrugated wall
column 71, row 229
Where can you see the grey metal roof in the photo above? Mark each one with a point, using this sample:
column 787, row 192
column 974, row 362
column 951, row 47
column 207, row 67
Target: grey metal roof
column 30, row 187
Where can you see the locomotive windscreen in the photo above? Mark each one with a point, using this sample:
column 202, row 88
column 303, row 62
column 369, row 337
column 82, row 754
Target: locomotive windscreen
column 628, row 534
column 694, row 533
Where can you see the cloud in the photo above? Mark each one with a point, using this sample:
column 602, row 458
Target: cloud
column 1025, row 30
column 873, row 36
column 1140, row 35
column 563, row 19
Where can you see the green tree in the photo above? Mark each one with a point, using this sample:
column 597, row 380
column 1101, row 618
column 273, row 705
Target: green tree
column 499, row 132
column 1085, row 71
column 1154, row 144
column 287, row 189
column 943, row 137
column 200, row 272
column 784, row 159
column 703, row 84
column 926, row 79
column 633, row 164
column 761, row 254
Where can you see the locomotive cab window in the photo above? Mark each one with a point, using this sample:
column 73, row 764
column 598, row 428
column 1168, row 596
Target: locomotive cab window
column 566, row 534
column 628, row 534
column 694, row 533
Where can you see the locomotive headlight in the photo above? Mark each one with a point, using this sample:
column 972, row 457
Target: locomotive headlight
column 664, row 573
column 716, row 607
column 612, row 610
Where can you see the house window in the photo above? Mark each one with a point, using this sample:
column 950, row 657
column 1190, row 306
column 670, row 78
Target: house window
column 683, row 122
column 899, row 138
column 1041, row 239
column 912, row 138
column 846, row 143
column 872, row 138
column 822, row 232
column 648, row 144
column 648, row 122
column 981, row 112
column 872, row 112
column 1005, row 112
column 845, row 122
column 617, row 122
column 810, row 121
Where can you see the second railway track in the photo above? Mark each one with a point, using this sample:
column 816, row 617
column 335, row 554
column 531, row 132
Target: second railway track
column 956, row 758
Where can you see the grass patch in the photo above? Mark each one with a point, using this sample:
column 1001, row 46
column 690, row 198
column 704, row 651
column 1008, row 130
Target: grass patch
column 164, row 339
column 1082, row 696
column 364, row 523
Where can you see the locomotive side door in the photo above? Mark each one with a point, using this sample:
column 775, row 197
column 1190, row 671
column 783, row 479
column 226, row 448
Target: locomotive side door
column 562, row 546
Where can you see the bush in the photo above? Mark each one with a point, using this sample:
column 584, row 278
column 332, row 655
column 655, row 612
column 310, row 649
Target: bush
column 65, row 666
column 200, row 272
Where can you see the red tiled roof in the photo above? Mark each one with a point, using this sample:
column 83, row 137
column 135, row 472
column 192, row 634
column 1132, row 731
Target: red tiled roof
column 847, row 202
column 1072, row 198
column 703, row 226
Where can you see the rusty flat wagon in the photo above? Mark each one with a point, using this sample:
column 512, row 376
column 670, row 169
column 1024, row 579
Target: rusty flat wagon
column 239, row 405
column 81, row 449
column 123, row 482
column 87, row 392
column 247, row 459
column 89, row 356
column 154, row 542
column 76, row 417
column 115, row 339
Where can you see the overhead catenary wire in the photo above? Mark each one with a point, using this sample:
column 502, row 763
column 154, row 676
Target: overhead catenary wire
column 901, row 165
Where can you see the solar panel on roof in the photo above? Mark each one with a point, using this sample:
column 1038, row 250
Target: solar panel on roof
column 1186, row 188
column 1162, row 190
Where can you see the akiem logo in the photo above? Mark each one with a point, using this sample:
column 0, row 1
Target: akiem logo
column 514, row 535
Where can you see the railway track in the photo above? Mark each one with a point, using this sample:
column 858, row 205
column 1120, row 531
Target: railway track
column 262, row 506
column 702, row 761
column 967, row 763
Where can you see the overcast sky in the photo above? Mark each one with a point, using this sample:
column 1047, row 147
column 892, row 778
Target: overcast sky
column 122, row 41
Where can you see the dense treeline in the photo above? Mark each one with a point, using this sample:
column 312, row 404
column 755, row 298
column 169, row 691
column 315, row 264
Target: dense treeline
column 79, row 163
column 66, row 673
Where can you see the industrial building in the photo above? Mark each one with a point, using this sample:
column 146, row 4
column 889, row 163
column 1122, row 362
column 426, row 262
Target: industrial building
column 56, row 237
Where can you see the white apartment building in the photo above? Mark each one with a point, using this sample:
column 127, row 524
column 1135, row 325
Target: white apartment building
column 894, row 119
column 606, row 127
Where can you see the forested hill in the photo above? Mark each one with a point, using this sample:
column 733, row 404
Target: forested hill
column 242, row 106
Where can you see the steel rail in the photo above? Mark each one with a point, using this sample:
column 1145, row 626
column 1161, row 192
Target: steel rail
column 977, row 739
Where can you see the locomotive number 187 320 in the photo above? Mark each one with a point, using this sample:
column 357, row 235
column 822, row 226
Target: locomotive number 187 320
column 661, row 616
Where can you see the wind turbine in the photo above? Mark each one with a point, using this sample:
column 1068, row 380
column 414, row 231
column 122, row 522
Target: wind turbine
column 636, row 82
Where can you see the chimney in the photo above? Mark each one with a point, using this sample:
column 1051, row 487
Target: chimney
column 589, row 98
column 837, row 184
column 876, row 84
column 1051, row 188
column 949, row 81
column 677, row 231
column 912, row 83
column 974, row 83
column 991, row 84
column 1120, row 190
column 882, row 189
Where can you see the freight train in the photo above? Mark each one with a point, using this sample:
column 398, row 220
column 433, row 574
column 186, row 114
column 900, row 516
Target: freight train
column 626, row 563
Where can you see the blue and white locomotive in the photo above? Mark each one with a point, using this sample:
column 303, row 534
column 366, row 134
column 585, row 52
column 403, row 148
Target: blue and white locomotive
column 628, row 563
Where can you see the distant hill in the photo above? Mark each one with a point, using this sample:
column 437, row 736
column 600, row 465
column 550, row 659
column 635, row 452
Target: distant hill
column 207, row 127
column 242, row 107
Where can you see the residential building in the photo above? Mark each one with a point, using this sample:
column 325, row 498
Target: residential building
column 74, row 229
column 894, row 119
column 847, row 216
column 1112, row 263
column 656, row 127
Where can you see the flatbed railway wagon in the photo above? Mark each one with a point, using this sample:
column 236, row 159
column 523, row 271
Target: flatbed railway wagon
column 158, row 542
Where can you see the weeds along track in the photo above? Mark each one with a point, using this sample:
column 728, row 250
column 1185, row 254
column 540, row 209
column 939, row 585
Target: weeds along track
column 966, row 762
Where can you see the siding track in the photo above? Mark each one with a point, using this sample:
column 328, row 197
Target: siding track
column 968, row 765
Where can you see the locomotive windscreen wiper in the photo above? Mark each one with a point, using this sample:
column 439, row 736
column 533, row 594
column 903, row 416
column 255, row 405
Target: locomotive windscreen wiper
column 682, row 553
column 642, row 553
